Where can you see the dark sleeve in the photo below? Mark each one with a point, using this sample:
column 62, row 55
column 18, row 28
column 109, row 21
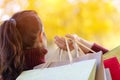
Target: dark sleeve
column 97, row 48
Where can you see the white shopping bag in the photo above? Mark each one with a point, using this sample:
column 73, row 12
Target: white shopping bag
column 84, row 70
column 95, row 55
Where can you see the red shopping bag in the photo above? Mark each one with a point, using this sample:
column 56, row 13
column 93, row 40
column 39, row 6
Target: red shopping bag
column 114, row 67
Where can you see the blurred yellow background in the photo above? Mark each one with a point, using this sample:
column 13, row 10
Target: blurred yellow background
column 95, row 20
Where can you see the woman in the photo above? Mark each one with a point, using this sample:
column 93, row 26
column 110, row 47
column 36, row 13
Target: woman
column 22, row 44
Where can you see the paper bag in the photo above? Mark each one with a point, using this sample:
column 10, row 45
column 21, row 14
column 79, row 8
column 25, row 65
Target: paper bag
column 84, row 70
column 113, row 53
column 82, row 57
column 97, row 56
column 114, row 66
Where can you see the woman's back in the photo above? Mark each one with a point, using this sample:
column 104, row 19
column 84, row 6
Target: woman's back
column 17, row 35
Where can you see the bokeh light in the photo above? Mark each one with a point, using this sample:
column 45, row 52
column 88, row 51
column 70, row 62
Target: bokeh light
column 95, row 20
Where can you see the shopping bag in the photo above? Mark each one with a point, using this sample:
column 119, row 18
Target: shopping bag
column 108, row 74
column 114, row 66
column 100, row 74
column 98, row 56
column 113, row 53
column 84, row 70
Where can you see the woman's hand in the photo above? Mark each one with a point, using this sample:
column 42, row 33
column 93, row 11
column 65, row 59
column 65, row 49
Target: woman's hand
column 60, row 41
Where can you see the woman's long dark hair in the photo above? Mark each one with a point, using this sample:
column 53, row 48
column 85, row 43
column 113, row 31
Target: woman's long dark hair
column 11, row 44
column 11, row 57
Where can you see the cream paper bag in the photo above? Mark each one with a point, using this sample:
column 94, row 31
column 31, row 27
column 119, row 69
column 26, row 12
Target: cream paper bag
column 84, row 70
column 113, row 53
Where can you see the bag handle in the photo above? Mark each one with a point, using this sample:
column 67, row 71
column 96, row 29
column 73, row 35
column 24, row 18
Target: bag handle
column 68, row 49
column 78, row 50
column 60, row 55
column 84, row 46
column 76, row 47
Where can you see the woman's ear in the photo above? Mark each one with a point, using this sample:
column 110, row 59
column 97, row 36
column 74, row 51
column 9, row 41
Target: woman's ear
column 43, row 40
column 40, row 37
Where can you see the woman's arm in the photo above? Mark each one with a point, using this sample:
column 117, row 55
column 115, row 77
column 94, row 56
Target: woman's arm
column 60, row 41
